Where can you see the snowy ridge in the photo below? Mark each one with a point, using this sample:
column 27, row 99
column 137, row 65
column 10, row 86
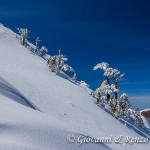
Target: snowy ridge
column 66, row 108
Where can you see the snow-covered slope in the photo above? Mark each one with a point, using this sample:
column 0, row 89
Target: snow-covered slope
column 38, row 109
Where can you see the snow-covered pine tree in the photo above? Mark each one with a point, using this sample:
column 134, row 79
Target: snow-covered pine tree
column 138, row 118
column 115, row 109
column 24, row 35
column 117, row 113
column 101, row 92
column 61, row 61
column 100, row 98
column 37, row 44
column 124, row 105
column 57, row 63
column 112, row 105
column 53, row 64
column 43, row 50
column 108, row 72
column 74, row 75
column 98, row 94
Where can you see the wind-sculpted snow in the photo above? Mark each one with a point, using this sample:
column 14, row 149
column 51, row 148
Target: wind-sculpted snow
column 66, row 107
column 26, row 129
column 9, row 91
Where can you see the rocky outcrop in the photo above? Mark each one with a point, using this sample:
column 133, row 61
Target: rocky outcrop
column 146, row 114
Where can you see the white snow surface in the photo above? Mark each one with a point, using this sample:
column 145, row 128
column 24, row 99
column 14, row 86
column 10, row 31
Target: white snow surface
column 38, row 108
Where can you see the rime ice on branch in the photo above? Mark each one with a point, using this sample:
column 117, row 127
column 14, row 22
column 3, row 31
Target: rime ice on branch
column 23, row 35
column 37, row 44
column 43, row 50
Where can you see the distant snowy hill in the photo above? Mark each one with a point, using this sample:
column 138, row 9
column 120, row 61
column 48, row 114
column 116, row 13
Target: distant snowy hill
column 38, row 108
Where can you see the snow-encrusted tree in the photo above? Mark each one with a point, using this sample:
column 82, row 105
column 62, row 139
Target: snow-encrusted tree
column 98, row 92
column 37, row 44
column 124, row 104
column 115, row 108
column 74, row 75
column 112, row 105
column 53, row 64
column 66, row 67
column 120, row 105
column 61, row 62
column 101, row 92
column 117, row 105
column 43, row 50
column 138, row 118
column 108, row 72
column 117, row 113
column 57, row 63
column 24, row 35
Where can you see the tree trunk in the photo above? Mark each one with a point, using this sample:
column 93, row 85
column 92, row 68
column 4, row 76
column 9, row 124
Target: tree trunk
column 36, row 48
column 23, row 41
column 116, row 94
column 108, row 95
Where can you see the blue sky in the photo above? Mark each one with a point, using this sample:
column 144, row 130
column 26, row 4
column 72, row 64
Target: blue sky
column 89, row 32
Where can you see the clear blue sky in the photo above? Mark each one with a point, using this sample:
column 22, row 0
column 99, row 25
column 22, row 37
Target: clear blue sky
column 89, row 32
